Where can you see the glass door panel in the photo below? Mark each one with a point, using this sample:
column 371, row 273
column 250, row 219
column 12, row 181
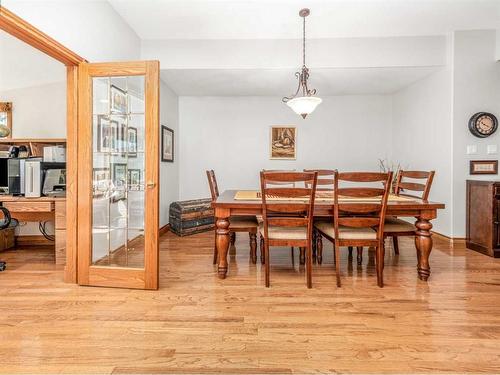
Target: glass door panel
column 123, row 229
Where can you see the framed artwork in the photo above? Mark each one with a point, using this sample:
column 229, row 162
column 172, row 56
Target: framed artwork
column 167, row 144
column 101, row 179
column 132, row 142
column 119, row 180
column 134, row 179
column 118, row 100
column 5, row 120
column 483, row 167
column 107, row 133
column 283, row 142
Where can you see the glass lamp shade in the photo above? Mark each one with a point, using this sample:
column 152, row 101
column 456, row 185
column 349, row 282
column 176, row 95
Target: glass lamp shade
column 304, row 105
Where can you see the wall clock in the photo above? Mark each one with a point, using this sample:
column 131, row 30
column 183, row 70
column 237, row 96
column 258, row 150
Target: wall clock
column 483, row 124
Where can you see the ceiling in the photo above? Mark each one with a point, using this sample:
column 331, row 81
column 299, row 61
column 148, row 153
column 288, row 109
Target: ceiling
column 24, row 66
column 274, row 82
column 278, row 19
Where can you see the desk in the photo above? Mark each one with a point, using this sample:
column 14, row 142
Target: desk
column 424, row 211
column 41, row 209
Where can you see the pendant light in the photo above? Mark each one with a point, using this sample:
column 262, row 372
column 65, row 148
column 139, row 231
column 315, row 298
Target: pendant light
column 307, row 103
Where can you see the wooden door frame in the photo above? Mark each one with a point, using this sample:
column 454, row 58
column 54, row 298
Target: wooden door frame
column 20, row 29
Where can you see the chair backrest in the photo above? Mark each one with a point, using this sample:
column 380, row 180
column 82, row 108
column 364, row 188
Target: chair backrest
column 325, row 179
column 293, row 213
column 360, row 204
column 212, row 182
column 403, row 185
column 280, row 183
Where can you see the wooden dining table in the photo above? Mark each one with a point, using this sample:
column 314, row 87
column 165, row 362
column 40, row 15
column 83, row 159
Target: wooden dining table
column 229, row 203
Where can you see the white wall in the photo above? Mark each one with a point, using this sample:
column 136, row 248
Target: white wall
column 169, row 172
column 39, row 111
column 91, row 28
column 231, row 136
column 422, row 136
column 476, row 82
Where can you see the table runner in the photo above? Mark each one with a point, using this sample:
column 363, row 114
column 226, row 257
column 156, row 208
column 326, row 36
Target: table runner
column 321, row 196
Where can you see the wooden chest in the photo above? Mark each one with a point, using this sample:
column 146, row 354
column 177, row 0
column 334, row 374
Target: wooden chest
column 483, row 217
column 7, row 238
column 190, row 217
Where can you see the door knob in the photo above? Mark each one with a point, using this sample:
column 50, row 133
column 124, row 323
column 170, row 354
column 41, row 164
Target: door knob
column 151, row 185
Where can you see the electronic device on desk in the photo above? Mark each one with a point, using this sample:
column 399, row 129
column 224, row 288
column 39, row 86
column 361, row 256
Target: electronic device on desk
column 54, row 184
column 16, row 175
column 4, row 176
column 36, row 173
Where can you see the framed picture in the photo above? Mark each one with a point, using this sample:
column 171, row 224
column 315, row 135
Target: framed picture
column 118, row 100
column 132, row 142
column 101, row 179
column 134, row 179
column 119, row 180
column 483, row 167
column 167, row 144
column 107, row 133
column 5, row 120
column 283, row 142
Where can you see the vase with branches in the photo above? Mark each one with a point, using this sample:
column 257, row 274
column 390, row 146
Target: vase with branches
column 386, row 165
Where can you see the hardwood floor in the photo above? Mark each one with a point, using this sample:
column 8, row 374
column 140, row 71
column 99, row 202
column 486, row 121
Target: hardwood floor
column 197, row 323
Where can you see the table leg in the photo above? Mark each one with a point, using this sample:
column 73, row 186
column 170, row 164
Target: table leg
column 423, row 243
column 222, row 242
column 253, row 247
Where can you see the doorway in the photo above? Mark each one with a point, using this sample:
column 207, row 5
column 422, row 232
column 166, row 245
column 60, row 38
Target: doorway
column 138, row 183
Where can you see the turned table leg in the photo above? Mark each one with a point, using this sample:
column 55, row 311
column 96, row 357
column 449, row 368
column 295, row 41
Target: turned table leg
column 253, row 247
column 423, row 243
column 222, row 242
column 319, row 248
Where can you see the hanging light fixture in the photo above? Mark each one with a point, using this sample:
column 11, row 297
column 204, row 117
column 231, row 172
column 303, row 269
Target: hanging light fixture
column 307, row 103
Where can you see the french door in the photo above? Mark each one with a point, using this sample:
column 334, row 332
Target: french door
column 118, row 168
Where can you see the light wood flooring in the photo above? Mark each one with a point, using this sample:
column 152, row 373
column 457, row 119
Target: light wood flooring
column 197, row 323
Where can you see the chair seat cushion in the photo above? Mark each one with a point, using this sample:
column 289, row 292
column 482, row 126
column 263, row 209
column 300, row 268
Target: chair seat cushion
column 236, row 222
column 347, row 233
column 393, row 225
column 285, row 233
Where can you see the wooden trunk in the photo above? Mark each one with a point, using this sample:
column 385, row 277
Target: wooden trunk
column 483, row 217
column 190, row 217
column 7, row 238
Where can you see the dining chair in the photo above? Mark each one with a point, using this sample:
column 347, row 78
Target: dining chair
column 261, row 220
column 236, row 223
column 324, row 184
column 358, row 215
column 289, row 222
column 406, row 185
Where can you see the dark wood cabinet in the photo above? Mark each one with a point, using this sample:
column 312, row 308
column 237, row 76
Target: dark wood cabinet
column 483, row 217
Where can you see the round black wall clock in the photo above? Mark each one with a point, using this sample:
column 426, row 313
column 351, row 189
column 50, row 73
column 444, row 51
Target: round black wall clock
column 483, row 124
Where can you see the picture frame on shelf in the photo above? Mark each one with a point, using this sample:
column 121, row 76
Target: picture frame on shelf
column 167, row 144
column 5, row 120
column 118, row 100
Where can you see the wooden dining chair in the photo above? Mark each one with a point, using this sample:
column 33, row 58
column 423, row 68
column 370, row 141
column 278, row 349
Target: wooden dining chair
column 236, row 223
column 358, row 215
column 324, row 184
column 261, row 220
column 407, row 186
column 288, row 223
